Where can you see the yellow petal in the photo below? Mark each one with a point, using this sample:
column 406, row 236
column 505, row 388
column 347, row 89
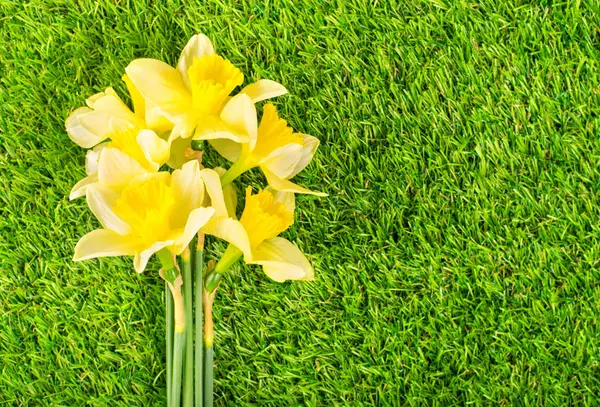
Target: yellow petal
column 212, row 182
column 281, row 260
column 239, row 114
column 80, row 134
column 213, row 128
column 284, row 185
column 103, row 243
column 288, row 199
column 188, row 192
column 155, row 149
column 141, row 259
column 81, row 187
column 139, row 106
column 282, row 160
column 227, row 148
column 196, row 47
column 308, row 151
column 230, row 230
column 198, row 218
column 163, row 86
column 116, row 169
column 264, row 89
column 101, row 201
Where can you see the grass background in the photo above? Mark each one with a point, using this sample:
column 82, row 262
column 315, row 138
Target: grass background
column 456, row 255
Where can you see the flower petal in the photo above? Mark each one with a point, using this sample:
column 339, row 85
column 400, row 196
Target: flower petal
column 240, row 115
column 80, row 188
column 139, row 106
column 264, row 89
column 103, row 243
column 230, row 230
column 281, row 260
column 188, row 191
column 227, row 148
column 308, row 151
column 198, row 218
column 283, row 160
column 212, row 182
column 116, row 169
column 92, row 157
column 101, row 200
column 141, row 259
column 155, row 149
column 78, row 133
column 164, row 86
column 284, row 185
column 196, row 47
column 288, row 199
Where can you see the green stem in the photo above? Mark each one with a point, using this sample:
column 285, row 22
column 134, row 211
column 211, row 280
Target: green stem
column 177, row 359
column 231, row 255
column 198, row 348
column 188, row 386
column 169, row 335
column 208, row 348
column 238, row 168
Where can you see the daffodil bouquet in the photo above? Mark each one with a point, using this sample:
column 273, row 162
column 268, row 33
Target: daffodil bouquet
column 148, row 189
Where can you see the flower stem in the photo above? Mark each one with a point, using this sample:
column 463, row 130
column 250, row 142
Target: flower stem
column 238, row 168
column 188, row 386
column 169, row 335
column 208, row 348
column 198, row 348
column 178, row 340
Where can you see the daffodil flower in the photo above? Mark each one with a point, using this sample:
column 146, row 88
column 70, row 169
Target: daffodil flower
column 195, row 95
column 277, row 150
column 265, row 216
column 154, row 211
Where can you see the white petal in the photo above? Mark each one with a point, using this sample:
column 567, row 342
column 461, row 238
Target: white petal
column 116, row 169
column 198, row 218
column 103, row 243
column 101, row 200
column 212, row 182
column 188, row 191
column 78, row 133
column 284, row 185
column 230, row 230
column 156, row 150
column 308, row 151
column 283, row 160
column 227, row 148
column 281, row 260
column 240, row 114
column 141, row 259
column 264, row 89
column 92, row 157
column 163, row 85
column 81, row 187
column 199, row 45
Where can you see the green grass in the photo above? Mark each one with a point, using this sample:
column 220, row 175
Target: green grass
column 457, row 255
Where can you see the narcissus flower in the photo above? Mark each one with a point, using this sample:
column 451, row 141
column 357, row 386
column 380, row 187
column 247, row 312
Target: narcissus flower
column 195, row 95
column 277, row 150
column 265, row 216
column 154, row 211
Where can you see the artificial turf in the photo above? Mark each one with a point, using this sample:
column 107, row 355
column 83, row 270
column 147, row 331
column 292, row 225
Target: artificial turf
column 456, row 257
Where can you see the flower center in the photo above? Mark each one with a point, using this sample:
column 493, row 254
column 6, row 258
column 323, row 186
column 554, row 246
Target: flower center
column 125, row 139
column 146, row 205
column 273, row 133
column 263, row 217
column 212, row 79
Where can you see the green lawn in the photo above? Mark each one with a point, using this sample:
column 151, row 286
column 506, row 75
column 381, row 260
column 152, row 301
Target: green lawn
column 457, row 255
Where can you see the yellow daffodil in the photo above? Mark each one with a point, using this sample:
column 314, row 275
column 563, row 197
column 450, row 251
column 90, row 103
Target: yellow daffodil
column 265, row 216
column 277, row 150
column 195, row 95
column 153, row 211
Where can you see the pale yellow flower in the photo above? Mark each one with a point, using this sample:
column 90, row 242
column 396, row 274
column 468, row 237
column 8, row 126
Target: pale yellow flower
column 266, row 215
column 153, row 211
column 277, row 150
column 195, row 95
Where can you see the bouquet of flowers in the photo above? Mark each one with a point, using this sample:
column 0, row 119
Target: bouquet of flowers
column 148, row 189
